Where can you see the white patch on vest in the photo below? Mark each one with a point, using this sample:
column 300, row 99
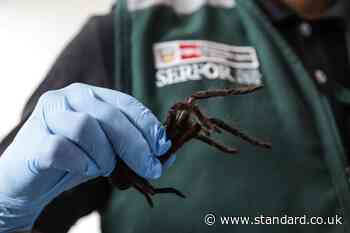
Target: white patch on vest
column 191, row 60
column 174, row 53
column 180, row 6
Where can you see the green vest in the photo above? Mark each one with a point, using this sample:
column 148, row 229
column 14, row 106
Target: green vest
column 165, row 51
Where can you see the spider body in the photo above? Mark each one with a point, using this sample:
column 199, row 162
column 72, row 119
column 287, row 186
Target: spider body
column 186, row 121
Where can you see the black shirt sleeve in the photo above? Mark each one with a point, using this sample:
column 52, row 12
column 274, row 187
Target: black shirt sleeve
column 88, row 58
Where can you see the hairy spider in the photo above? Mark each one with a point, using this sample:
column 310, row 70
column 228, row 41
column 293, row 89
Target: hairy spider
column 186, row 121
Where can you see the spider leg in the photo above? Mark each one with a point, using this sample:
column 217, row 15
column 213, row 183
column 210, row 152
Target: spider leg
column 204, row 119
column 171, row 115
column 222, row 92
column 216, row 144
column 199, row 115
column 239, row 133
column 188, row 135
column 140, row 188
column 169, row 190
column 206, row 132
column 146, row 188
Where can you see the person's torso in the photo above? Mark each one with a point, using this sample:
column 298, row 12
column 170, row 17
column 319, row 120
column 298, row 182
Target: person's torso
column 167, row 50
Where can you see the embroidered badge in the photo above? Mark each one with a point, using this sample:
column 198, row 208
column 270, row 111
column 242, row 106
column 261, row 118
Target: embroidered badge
column 181, row 61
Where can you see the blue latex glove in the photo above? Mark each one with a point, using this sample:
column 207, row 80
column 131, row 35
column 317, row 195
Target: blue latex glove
column 74, row 135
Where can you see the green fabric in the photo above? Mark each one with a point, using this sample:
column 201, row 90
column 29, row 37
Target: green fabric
column 302, row 174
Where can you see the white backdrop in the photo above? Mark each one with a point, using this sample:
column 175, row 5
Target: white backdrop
column 32, row 33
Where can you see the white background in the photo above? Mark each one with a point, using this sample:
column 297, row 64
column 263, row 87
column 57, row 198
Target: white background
column 32, row 33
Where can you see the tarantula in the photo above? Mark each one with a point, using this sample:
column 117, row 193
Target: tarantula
column 186, row 121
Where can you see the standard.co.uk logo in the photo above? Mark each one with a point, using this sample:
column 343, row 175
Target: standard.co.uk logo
column 211, row 219
column 191, row 60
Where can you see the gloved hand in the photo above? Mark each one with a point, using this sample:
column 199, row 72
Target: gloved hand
column 75, row 134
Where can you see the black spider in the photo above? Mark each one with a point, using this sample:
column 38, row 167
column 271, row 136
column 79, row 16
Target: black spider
column 186, row 121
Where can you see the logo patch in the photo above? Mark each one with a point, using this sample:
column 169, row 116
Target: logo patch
column 181, row 61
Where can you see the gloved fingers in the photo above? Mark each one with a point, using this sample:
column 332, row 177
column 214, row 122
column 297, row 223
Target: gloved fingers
column 84, row 132
column 138, row 114
column 128, row 142
column 59, row 153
